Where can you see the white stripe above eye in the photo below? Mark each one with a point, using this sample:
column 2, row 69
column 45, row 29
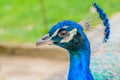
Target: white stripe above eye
column 70, row 37
column 54, row 34
column 65, row 26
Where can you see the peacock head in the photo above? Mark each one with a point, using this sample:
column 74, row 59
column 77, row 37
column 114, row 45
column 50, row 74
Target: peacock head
column 66, row 34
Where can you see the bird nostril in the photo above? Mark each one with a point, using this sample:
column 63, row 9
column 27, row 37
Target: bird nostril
column 54, row 42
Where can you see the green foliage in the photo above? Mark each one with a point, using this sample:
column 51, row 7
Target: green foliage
column 21, row 20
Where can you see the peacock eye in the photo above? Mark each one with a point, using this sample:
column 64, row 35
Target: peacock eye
column 63, row 33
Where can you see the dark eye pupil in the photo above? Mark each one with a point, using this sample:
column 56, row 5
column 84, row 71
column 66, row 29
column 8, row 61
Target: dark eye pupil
column 63, row 33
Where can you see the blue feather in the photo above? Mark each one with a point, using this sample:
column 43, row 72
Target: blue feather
column 78, row 45
column 65, row 23
column 105, row 19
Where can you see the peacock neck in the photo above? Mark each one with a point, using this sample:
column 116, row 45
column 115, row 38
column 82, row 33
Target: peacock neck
column 79, row 65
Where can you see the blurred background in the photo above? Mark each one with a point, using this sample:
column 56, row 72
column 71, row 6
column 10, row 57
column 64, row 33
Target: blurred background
column 26, row 20
column 22, row 22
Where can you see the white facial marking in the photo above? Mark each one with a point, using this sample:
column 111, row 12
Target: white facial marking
column 72, row 33
column 65, row 26
column 54, row 34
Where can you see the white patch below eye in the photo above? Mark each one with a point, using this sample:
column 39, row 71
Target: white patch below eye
column 70, row 37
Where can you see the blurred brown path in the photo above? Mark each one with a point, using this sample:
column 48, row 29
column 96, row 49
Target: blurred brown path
column 27, row 68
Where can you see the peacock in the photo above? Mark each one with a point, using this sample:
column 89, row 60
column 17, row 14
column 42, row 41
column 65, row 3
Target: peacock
column 71, row 36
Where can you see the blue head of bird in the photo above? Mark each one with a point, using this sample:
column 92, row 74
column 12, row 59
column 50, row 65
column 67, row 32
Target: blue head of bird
column 70, row 35
column 66, row 34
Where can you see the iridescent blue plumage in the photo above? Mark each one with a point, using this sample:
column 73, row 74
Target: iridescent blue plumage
column 79, row 49
column 105, row 19
column 70, row 35
column 65, row 23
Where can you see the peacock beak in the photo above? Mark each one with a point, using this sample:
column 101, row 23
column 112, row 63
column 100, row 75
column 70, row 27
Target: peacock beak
column 44, row 40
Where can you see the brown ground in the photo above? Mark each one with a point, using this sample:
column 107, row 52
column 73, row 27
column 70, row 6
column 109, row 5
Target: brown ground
column 27, row 68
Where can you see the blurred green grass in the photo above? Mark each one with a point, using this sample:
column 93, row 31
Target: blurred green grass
column 21, row 20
